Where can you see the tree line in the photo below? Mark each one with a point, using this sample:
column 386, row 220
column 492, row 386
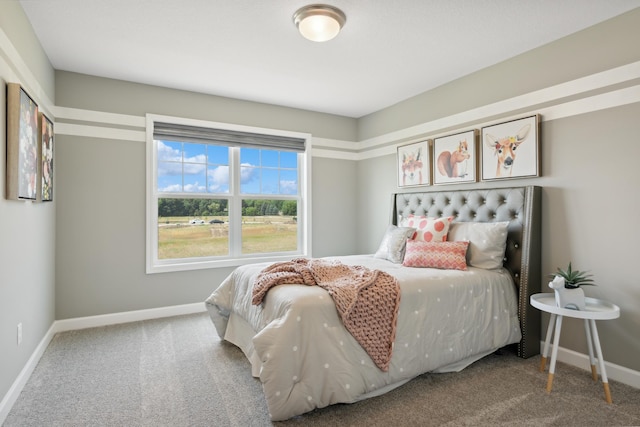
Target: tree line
column 168, row 207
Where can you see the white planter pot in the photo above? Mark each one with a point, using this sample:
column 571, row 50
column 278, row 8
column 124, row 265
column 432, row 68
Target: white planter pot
column 572, row 298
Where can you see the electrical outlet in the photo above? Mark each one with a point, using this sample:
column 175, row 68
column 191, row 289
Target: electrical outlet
column 19, row 333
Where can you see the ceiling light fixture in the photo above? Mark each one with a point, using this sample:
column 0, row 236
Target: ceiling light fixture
column 319, row 22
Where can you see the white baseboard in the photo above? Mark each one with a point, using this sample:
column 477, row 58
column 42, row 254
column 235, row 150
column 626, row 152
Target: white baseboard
column 16, row 388
column 83, row 323
column 614, row 372
column 127, row 316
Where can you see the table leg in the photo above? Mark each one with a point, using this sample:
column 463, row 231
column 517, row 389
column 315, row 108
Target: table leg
column 545, row 351
column 592, row 361
column 554, row 352
column 603, row 373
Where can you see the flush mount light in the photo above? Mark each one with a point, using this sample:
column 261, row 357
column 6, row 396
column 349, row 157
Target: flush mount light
column 319, row 22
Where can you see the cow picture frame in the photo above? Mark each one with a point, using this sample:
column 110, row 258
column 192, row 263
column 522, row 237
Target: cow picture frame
column 455, row 158
column 414, row 164
column 503, row 143
column 22, row 145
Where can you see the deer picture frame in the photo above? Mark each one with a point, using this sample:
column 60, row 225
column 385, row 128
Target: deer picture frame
column 414, row 164
column 455, row 158
column 503, row 142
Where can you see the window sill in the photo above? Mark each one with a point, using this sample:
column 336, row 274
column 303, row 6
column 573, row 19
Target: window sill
column 170, row 266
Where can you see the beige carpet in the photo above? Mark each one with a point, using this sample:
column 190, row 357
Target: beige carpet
column 177, row 372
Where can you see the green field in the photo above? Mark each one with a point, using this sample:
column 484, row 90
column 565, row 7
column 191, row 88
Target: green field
column 179, row 239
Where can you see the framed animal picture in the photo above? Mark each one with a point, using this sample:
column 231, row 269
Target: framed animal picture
column 22, row 144
column 46, row 157
column 414, row 164
column 455, row 158
column 511, row 149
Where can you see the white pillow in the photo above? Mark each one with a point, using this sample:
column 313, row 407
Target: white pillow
column 394, row 243
column 487, row 242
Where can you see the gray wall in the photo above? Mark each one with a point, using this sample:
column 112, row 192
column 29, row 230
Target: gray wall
column 590, row 170
column 27, row 229
column 100, row 245
column 121, row 97
column 598, row 48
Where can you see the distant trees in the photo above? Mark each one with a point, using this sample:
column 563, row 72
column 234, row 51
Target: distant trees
column 191, row 207
column 290, row 208
column 219, row 207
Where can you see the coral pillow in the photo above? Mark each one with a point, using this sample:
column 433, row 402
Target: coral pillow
column 443, row 255
column 428, row 229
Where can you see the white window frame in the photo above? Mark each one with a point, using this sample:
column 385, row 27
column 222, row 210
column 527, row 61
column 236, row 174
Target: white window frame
column 156, row 265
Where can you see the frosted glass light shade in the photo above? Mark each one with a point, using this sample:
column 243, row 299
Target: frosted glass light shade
column 319, row 23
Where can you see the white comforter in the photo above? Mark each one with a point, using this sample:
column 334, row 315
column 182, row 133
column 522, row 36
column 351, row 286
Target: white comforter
column 306, row 359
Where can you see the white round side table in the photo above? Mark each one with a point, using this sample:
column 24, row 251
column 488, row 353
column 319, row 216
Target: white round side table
column 595, row 309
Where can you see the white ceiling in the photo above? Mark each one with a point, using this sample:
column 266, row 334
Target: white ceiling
column 388, row 51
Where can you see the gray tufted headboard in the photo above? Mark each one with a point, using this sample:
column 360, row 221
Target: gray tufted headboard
column 518, row 205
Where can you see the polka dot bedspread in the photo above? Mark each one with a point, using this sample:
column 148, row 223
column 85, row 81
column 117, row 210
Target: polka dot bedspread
column 306, row 359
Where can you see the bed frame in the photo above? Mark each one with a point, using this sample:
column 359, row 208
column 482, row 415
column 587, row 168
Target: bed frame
column 521, row 206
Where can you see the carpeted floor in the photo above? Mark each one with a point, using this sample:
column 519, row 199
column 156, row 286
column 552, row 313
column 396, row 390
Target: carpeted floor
column 177, row 372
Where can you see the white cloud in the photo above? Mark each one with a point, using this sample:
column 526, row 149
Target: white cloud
column 247, row 173
column 194, row 169
column 173, row 188
column 288, row 187
column 219, row 178
column 195, row 188
column 200, row 158
column 170, row 162
column 219, row 175
column 168, row 154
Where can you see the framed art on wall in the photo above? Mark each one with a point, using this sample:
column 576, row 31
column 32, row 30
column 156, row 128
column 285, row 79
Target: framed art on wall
column 455, row 158
column 414, row 164
column 22, row 144
column 511, row 149
column 46, row 156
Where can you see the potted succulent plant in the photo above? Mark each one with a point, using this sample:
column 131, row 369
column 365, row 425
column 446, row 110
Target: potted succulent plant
column 566, row 285
column 574, row 278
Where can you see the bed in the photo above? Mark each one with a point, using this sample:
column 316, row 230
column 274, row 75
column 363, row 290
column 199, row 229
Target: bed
column 298, row 345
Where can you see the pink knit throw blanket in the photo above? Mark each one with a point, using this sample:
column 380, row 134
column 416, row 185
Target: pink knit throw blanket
column 367, row 300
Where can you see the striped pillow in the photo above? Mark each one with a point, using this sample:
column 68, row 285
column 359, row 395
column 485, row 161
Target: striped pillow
column 442, row 255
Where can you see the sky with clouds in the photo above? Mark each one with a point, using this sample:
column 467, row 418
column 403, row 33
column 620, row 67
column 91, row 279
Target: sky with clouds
column 204, row 168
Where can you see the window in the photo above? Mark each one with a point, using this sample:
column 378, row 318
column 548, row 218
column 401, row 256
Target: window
column 223, row 195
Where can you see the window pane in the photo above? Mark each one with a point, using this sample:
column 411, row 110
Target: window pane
column 268, row 171
column 269, row 158
column 269, row 226
column 194, row 168
column 269, row 181
column 288, row 159
column 169, row 151
column 288, row 182
column 218, row 179
column 169, row 182
column 249, row 180
column 250, row 156
column 195, row 153
column 190, row 228
column 195, row 179
column 218, row 155
column 169, row 166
